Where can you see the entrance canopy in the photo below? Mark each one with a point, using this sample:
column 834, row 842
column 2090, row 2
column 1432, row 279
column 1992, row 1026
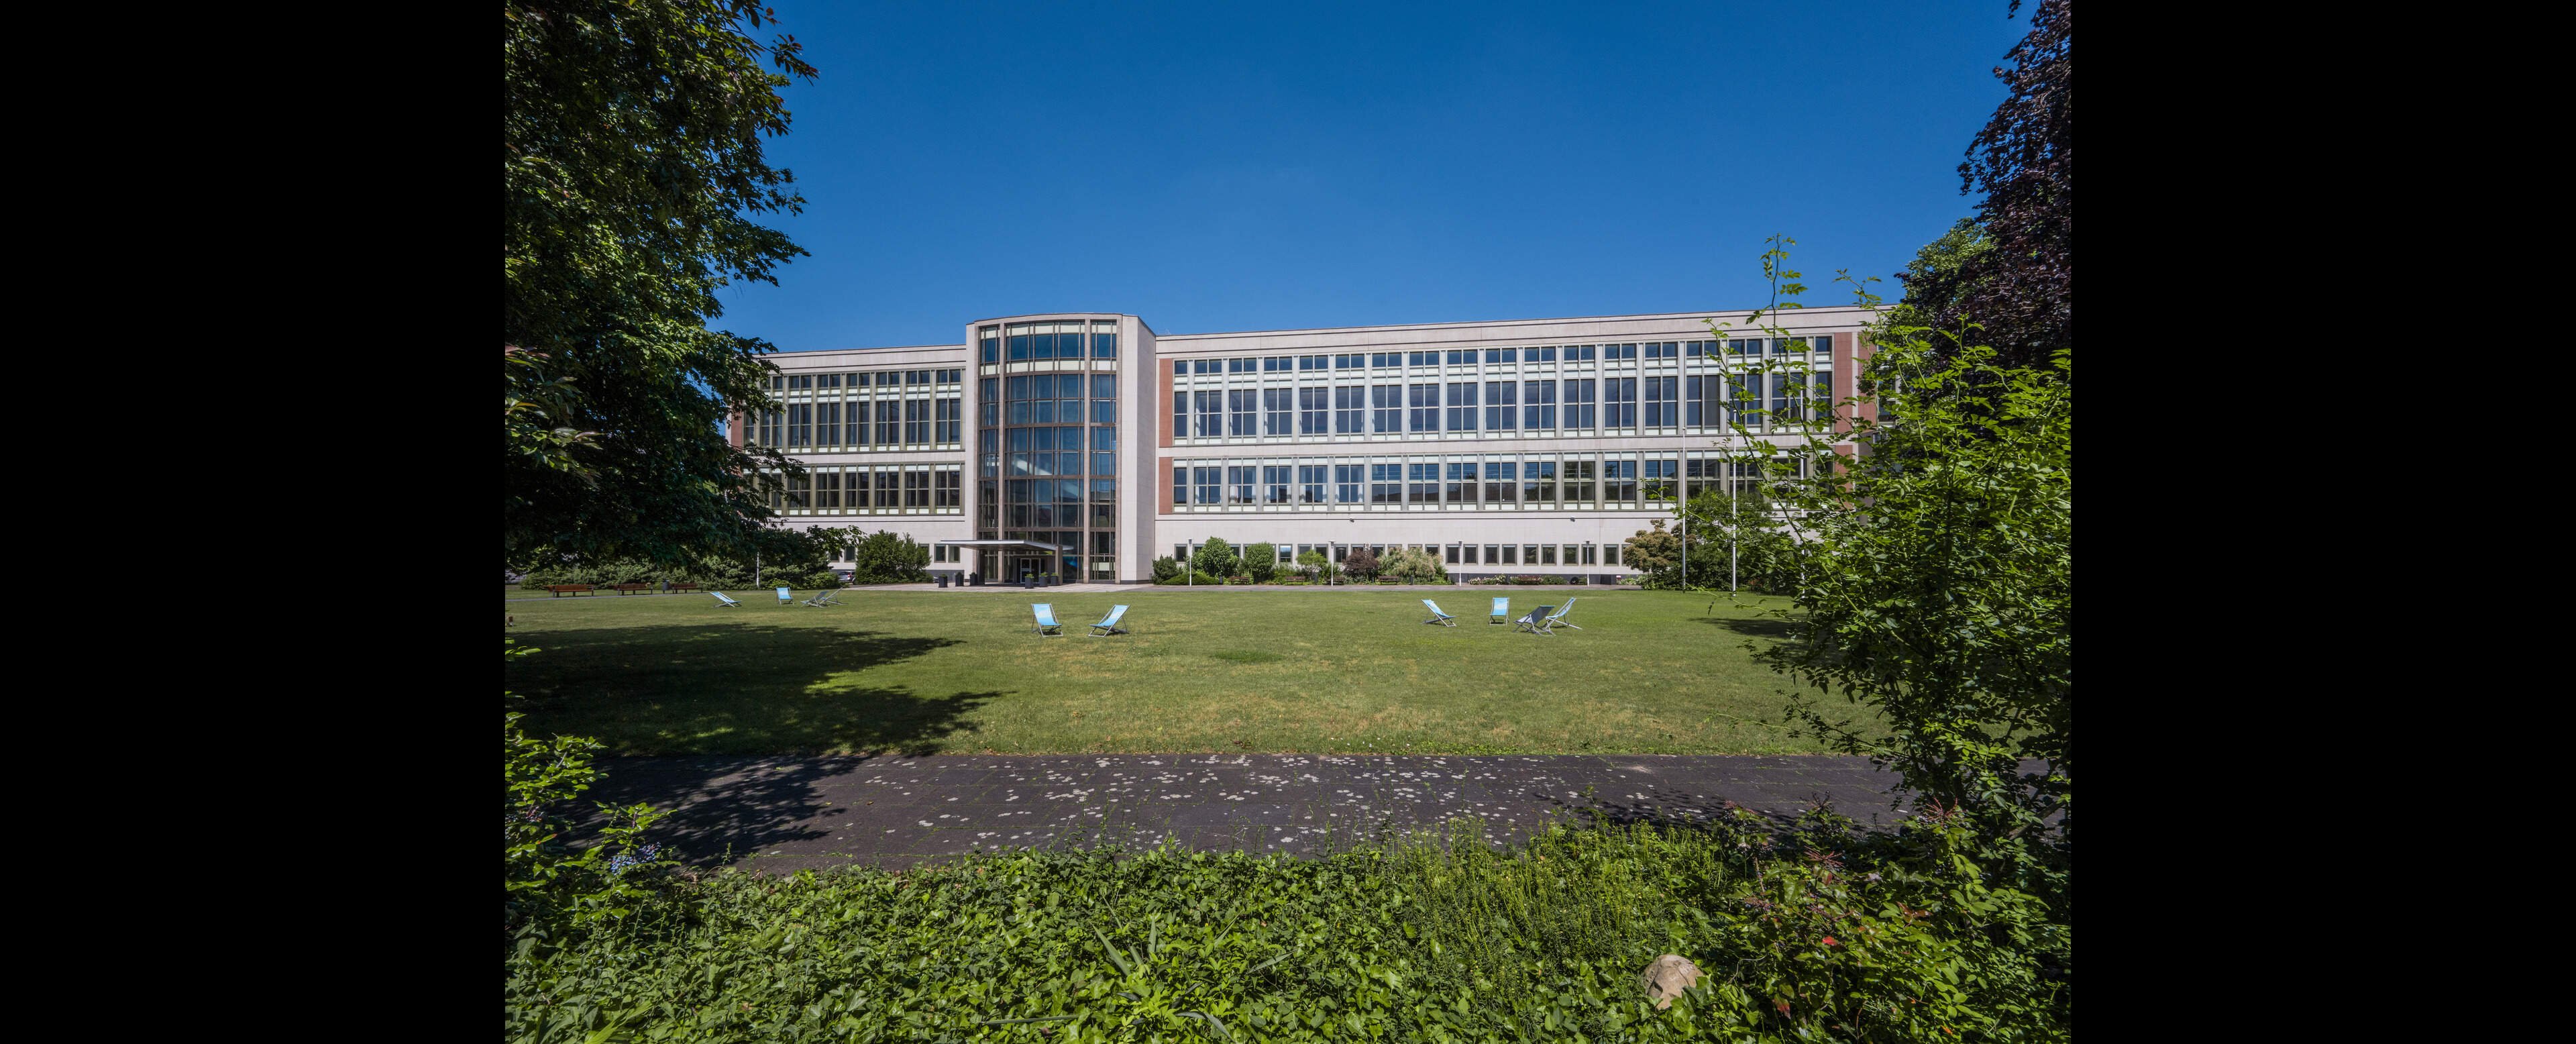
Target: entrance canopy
column 1008, row 545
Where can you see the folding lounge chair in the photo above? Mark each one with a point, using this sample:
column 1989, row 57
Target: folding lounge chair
column 1535, row 622
column 721, row 600
column 785, row 596
column 1046, row 620
column 1438, row 617
column 823, row 598
column 1109, row 626
column 1557, row 619
column 1502, row 612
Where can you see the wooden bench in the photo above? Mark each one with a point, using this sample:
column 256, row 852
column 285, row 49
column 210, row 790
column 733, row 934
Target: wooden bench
column 561, row 590
column 630, row 588
column 684, row 585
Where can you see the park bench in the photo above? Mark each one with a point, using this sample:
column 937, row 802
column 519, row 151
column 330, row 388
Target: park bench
column 684, row 585
column 630, row 588
column 561, row 590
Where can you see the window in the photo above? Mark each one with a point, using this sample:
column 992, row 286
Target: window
column 1662, row 409
column 1746, row 389
column 1311, row 483
column 889, row 423
column 1210, row 410
column 1461, row 485
column 1579, row 353
column 1343, row 362
column 827, row 423
column 1462, row 358
column 1538, row 482
column 1276, row 364
column 1207, row 485
column 1578, row 405
column 1313, row 410
column 1502, row 405
column 1609, row 554
column 1453, row 555
column 1546, row 554
column 1386, row 408
column 1241, row 416
column 1239, row 483
column 1180, row 485
column 916, row 489
column 1498, row 481
column 1697, row 408
column 946, row 489
column 1619, row 480
column 1274, row 485
column 1423, row 483
column 1462, row 406
column 1781, row 411
column 1661, row 478
column 1278, row 408
column 889, row 489
column 1744, row 346
column 1493, row 554
column 1619, row 402
column 1423, row 358
column 1350, row 410
column 1424, row 401
column 991, row 341
column 1240, row 366
column 1542, row 355
column 827, row 487
column 800, row 425
column 1578, row 481
column 1346, row 483
column 1207, row 365
column 916, row 422
column 946, row 418
column 1538, row 409
column 1386, row 484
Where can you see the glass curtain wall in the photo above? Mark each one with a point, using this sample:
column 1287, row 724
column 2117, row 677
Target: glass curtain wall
column 1047, row 451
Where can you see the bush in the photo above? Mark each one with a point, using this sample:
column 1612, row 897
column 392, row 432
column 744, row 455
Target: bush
column 1406, row 565
column 886, row 558
column 1260, row 562
column 1362, row 563
column 1195, row 577
column 1166, row 568
column 1318, row 568
column 1815, row 933
column 1216, row 558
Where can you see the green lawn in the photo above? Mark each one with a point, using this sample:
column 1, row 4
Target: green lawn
column 1281, row 671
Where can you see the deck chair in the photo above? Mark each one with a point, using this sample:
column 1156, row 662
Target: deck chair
column 1046, row 620
column 1558, row 618
column 1438, row 617
column 1109, row 626
column 785, row 596
column 1502, row 612
column 722, row 601
column 1535, row 622
column 823, row 598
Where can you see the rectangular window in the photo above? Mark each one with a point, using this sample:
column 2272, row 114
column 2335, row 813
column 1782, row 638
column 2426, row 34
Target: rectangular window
column 800, row 425
column 1538, row 405
column 1662, row 478
column 1746, row 389
column 1314, row 407
column 1346, row 483
column 1424, row 401
column 916, row 422
column 1498, row 482
column 1493, row 553
column 991, row 351
column 1502, row 405
column 1538, row 482
column 1274, row 485
column 1240, row 412
column 889, row 422
column 889, row 489
column 1180, row 485
column 1579, row 476
column 1386, row 484
column 1511, row 554
column 1578, row 405
column 1386, row 408
column 1311, row 480
column 916, row 489
column 1422, row 482
column 1695, row 411
column 1781, row 410
column 1453, row 555
column 827, row 423
column 827, row 488
column 1547, row 554
column 1609, row 554
column 1461, row 485
column 1662, row 411
column 948, row 412
column 1279, row 412
column 1208, row 485
column 1462, row 406
column 1239, row 480
column 1211, row 413
column 948, row 493
column 1619, row 480
column 1619, row 402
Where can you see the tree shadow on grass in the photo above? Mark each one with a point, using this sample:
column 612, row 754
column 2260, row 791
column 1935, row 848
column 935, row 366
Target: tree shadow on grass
column 753, row 690
column 1758, row 627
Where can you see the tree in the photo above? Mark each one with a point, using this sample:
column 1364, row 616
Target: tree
column 1362, row 563
column 1215, row 558
column 2021, row 286
column 1657, row 553
column 1317, row 567
column 1166, row 568
column 1261, row 562
column 886, row 558
column 1410, row 566
column 632, row 175
column 1738, row 536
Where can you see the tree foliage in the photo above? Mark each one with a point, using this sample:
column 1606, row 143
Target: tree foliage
column 1261, row 562
column 884, row 557
column 1362, row 563
column 2015, row 275
column 633, row 175
column 1410, row 566
column 1215, row 558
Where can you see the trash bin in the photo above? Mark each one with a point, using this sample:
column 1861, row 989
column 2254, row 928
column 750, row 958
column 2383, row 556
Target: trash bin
column 943, row 581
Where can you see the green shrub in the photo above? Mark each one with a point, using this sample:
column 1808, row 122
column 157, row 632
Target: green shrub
column 884, row 557
column 1815, row 934
column 1194, row 578
column 1215, row 558
column 1409, row 566
column 1260, row 562
column 1166, row 568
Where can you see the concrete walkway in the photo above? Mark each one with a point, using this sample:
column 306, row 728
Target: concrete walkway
column 785, row 814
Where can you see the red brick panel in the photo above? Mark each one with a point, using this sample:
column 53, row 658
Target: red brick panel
column 1161, row 411
column 1165, row 487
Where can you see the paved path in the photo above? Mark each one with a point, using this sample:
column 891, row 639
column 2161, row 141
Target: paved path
column 786, row 814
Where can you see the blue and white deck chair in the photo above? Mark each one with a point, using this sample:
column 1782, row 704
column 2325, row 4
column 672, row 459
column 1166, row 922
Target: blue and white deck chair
column 1535, row 622
column 722, row 601
column 785, row 596
column 1046, row 620
column 1502, row 612
column 1109, row 626
column 823, row 598
column 1438, row 617
column 1557, row 618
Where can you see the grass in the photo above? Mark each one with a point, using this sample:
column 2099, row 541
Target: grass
column 1352, row 671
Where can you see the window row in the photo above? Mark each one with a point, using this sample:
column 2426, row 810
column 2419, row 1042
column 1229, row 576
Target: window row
column 1739, row 346
column 1506, row 408
column 1024, row 341
column 1047, row 398
column 873, row 378
column 896, row 423
column 1455, row 554
column 1537, row 483
column 827, row 490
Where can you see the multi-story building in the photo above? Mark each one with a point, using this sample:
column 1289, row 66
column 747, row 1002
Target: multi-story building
column 1087, row 445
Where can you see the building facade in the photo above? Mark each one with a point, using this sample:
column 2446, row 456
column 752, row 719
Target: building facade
column 1086, row 445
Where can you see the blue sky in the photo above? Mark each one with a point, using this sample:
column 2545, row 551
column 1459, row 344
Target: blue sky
column 1218, row 167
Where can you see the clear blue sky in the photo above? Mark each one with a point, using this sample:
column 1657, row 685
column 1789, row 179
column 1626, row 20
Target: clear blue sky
column 1224, row 166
